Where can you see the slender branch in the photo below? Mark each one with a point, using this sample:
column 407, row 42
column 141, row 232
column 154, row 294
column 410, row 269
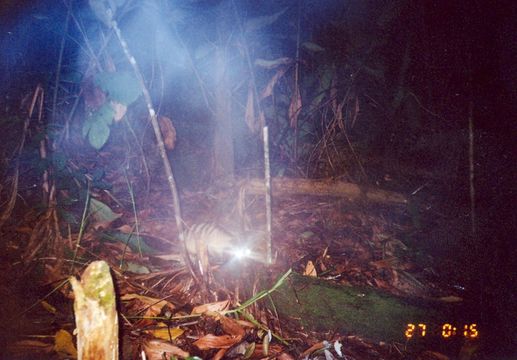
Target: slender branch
column 161, row 147
column 59, row 64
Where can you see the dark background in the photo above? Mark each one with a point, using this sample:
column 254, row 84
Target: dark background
column 464, row 57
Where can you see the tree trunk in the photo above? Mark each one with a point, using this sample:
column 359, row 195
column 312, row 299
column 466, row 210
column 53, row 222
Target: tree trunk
column 223, row 136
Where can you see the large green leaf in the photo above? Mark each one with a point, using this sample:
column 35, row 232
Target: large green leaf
column 98, row 134
column 96, row 127
column 133, row 241
column 102, row 212
column 121, row 87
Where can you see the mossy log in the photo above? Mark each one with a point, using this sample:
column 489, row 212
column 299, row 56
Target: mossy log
column 96, row 314
column 323, row 306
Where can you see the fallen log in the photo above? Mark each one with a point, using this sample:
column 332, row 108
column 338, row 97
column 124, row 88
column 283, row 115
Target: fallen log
column 324, row 306
column 353, row 192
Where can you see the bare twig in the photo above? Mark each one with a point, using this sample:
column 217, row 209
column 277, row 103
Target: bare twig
column 161, row 147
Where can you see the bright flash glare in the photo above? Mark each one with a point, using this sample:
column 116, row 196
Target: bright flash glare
column 241, row 253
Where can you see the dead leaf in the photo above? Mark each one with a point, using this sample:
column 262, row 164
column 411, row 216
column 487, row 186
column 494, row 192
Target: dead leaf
column 262, row 119
column 164, row 332
column 451, row 299
column 310, row 270
column 126, row 229
column 51, row 309
column 30, row 347
column 432, row 355
column 64, row 343
column 220, row 354
column 231, row 326
column 211, row 307
column 155, row 306
column 168, row 132
column 284, row 356
column 249, row 114
column 271, row 64
column 120, row 110
column 313, row 348
column 211, row 341
column 155, row 350
column 273, row 349
column 295, row 107
column 268, row 90
column 245, row 323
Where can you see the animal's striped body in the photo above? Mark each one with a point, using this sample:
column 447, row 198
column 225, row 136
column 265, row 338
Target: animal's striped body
column 208, row 243
column 218, row 243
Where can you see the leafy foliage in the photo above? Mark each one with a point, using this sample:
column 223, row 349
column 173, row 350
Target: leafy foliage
column 96, row 128
column 121, row 87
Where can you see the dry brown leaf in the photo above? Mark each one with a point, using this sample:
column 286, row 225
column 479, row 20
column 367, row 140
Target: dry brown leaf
column 155, row 306
column 232, row 327
column 155, row 349
column 268, row 90
column 249, row 114
column 64, row 343
column 220, row 354
column 245, row 323
column 168, row 132
column 432, row 355
column 211, row 341
column 262, row 119
column 30, row 346
column 126, row 229
column 338, row 113
column 284, row 356
column 166, row 333
column 295, row 107
column 451, row 299
column 310, row 270
column 356, row 112
column 271, row 64
column 120, row 110
column 211, row 307
column 313, row 348
column 272, row 350
column 51, row 309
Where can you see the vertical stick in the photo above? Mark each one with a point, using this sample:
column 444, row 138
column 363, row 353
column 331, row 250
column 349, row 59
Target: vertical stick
column 267, row 179
column 159, row 140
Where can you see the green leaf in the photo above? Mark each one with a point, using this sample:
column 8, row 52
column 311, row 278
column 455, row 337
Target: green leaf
column 271, row 64
column 326, row 77
column 68, row 217
column 307, row 235
column 97, row 174
column 59, row 161
column 259, row 22
column 121, row 87
column 312, row 46
column 317, row 100
column 102, row 185
column 136, row 268
column 87, row 125
column 133, row 241
column 102, row 212
column 96, row 126
column 98, row 134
